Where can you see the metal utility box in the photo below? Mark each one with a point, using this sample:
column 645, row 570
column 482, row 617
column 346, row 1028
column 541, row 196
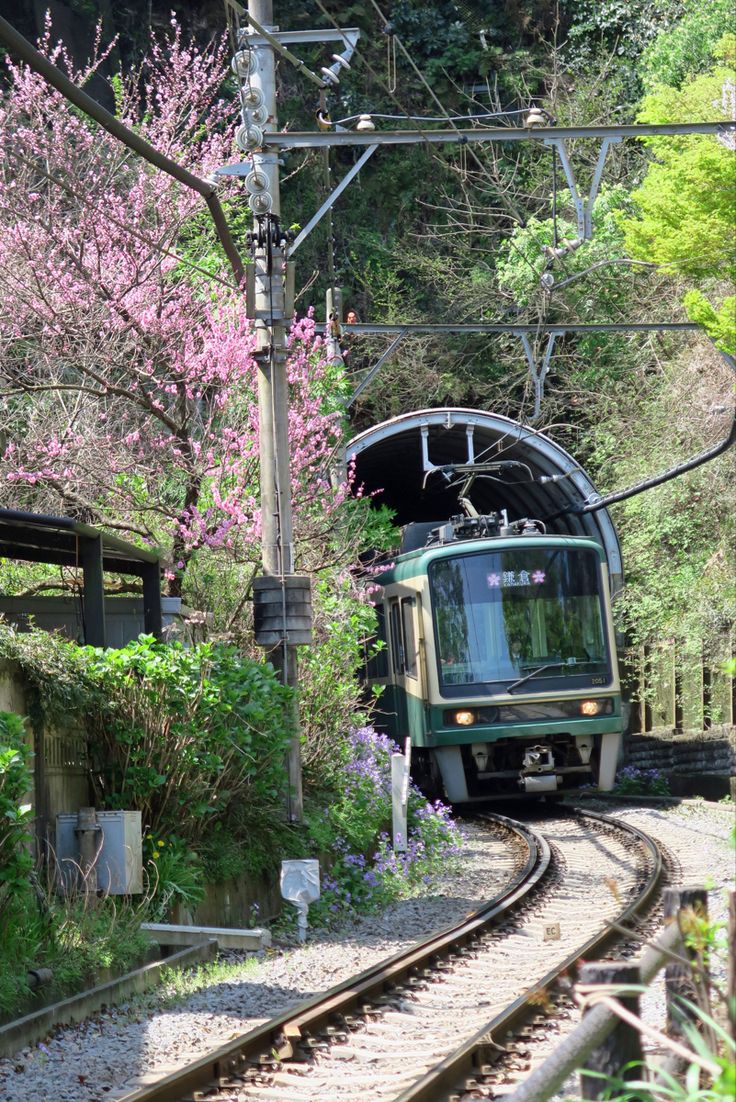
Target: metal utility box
column 282, row 610
column 120, row 861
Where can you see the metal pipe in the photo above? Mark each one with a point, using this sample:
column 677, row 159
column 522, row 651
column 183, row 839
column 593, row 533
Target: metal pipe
column 656, row 480
column 299, row 139
column 22, row 48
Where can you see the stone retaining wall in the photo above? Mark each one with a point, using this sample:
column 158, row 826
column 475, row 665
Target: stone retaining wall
column 706, row 760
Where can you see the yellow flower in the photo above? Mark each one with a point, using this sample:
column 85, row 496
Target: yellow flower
column 160, row 844
column 156, row 854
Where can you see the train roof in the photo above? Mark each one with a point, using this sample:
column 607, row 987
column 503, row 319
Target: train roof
column 411, row 563
column 392, row 460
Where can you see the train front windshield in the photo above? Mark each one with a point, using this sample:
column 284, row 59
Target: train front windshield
column 528, row 613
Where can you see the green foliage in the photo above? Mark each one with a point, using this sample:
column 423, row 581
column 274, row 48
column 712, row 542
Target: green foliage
column 331, row 696
column 641, row 782
column 349, row 824
column 16, row 782
column 685, row 203
column 719, row 324
column 521, row 259
column 673, row 556
column 55, row 670
column 176, row 875
column 189, row 733
column 685, row 49
column 76, row 941
column 610, row 37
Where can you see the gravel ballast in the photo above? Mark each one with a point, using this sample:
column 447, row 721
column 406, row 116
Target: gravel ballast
column 120, row 1049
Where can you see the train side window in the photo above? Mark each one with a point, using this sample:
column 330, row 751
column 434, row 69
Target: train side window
column 410, row 646
column 377, row 662
column 397, row 642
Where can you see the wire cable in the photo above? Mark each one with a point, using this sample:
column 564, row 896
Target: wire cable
column 438, row 118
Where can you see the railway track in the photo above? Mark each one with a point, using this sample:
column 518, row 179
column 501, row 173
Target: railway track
column 459, row 998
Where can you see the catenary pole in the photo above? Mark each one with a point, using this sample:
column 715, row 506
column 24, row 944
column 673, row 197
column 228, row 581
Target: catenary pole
column 269, row 259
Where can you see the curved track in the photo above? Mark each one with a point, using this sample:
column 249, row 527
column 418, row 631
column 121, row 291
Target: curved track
column 380, row 1034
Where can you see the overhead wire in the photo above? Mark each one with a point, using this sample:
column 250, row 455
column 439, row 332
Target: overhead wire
column 443, row 109
column 446, row 116
column 438, row 118
column 414, row 119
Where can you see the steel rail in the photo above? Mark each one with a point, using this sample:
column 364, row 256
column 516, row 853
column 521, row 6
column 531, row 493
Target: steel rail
column 280, row 1036
column 450, row 1076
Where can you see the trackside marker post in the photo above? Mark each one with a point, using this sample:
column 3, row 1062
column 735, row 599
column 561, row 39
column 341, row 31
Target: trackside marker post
column 400, row 764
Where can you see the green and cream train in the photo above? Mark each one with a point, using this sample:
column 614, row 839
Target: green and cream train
column 499, row 661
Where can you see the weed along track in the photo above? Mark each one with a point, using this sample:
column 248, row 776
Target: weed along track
column 410, row 1026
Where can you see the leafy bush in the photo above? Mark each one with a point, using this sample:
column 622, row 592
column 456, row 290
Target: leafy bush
column 176, row 875
column 186, row 735
column 16, row 781
column 74, row 940
column 353, row 832
column 685, row 49
column 330, row 692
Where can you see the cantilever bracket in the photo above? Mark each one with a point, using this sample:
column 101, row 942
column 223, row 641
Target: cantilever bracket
column 371, row 374
column 538, row 371
column 332, row 197
column 428, row 466
column 583, row 207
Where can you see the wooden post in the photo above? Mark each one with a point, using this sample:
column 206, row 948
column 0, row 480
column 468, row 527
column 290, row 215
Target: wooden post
column 151, row 574
column 646, row 683
column 622, row 1048
column 677, row 660
column 707, row 696
column 679, row 980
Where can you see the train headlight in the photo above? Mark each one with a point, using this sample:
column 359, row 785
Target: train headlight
column 464, row 718
column 590, row 707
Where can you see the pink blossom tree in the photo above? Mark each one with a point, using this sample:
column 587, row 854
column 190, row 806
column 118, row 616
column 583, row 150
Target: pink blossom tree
column 126, row 363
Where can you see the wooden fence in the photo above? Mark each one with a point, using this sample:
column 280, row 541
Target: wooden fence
column 668, row 691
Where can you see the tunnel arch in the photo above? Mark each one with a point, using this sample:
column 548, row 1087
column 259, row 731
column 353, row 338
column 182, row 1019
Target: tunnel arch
column 392, row 458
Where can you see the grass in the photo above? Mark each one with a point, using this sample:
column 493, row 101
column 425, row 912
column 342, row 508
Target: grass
column 76, row 940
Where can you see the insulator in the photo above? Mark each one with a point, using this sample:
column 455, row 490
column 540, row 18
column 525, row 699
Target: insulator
column 252, row 98
column 341, row 61
column 259, row 115
column 330, row 77
column 249, row 137
column 244, row 63
column 365, row 122
column 256, row 182
column 535, row 118
column 547, row 280
column 260, row 203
